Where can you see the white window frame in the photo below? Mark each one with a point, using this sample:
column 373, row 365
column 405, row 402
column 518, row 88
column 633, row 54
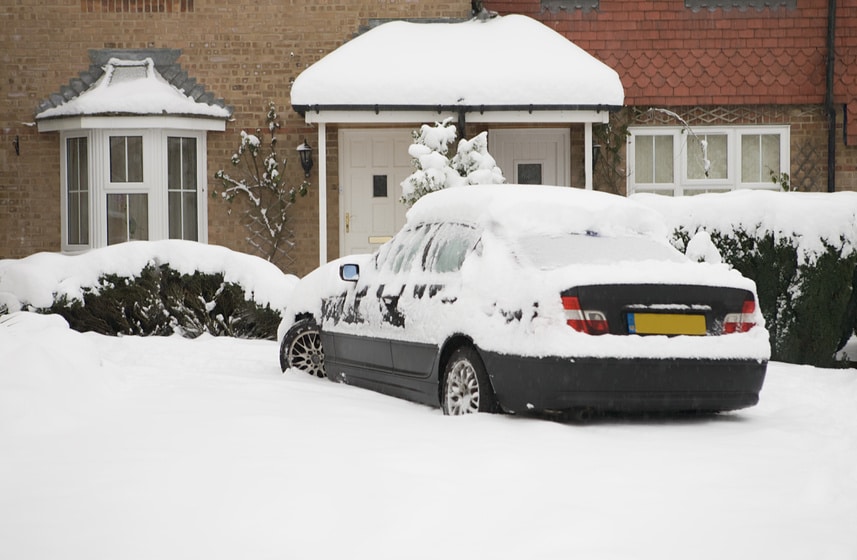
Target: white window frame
column 154, row 184
column 64, row 217
column 682, row 185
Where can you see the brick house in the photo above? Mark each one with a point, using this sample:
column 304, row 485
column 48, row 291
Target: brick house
column 768, row 85
column 234, row 55
column 750, row 82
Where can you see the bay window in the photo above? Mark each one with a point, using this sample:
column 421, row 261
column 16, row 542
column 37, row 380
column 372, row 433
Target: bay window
column 126, row 184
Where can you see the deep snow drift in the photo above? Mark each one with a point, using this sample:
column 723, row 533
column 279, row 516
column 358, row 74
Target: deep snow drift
column 172, row 448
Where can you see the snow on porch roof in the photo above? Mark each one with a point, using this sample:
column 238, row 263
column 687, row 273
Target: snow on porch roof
column 504, row 63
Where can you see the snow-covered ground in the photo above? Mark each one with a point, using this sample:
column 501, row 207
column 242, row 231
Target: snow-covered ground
column 174, row 448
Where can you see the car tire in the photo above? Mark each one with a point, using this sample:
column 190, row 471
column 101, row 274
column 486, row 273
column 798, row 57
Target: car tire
column 301, row 348
column 466, row 387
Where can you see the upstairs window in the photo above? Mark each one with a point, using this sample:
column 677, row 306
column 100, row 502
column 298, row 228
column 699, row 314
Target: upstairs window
column 675, row 161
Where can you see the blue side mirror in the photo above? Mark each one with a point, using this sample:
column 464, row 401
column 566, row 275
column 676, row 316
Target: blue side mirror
column 349, row 272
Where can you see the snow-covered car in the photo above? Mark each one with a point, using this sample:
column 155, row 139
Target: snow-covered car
column 529, row 298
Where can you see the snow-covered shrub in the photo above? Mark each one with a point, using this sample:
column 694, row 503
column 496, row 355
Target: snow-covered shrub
column 261, row 183
column 473, row 162
column 471, row 165
column 799, row 248
column 162, row 301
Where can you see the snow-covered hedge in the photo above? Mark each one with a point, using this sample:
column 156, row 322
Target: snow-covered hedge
column 801, row 250
column 144, row 288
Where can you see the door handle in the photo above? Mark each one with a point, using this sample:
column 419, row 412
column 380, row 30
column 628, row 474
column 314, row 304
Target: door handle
column 347, row 222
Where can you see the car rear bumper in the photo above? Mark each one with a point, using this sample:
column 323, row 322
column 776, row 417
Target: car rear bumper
column 538, row 384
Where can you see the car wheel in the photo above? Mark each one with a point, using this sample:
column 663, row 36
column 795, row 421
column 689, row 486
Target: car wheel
column 466, row 388
column 301, row 348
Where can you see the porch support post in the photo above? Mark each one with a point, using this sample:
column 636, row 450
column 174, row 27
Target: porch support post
column 322, row 193
column 587, row 153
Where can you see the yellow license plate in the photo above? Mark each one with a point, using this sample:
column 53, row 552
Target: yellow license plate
column 665, row 323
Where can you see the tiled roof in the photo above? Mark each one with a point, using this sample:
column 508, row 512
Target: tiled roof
column 164, row 61
column 720, row 76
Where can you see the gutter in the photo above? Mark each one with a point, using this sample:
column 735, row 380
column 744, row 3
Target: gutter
column 460, row 109
column 828, row 101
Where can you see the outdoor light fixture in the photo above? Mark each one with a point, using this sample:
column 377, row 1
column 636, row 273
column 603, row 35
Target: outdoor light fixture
column 305, row 151
column 596, row 153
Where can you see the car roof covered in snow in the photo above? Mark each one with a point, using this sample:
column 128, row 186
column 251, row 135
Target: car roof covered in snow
column 536, row 209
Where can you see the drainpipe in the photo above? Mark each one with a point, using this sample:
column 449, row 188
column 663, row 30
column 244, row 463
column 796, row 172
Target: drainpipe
column 828, row 102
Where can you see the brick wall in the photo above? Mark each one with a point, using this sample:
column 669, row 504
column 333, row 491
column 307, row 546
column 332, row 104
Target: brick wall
column 244, row 52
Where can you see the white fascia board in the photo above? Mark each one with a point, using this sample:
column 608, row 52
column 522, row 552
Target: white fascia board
column 85, row 122
column 524, row 117
column 370, row 117
column 402, row 117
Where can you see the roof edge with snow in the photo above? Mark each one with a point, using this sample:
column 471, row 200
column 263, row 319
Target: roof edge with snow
column 180, row 94
column 507, row 64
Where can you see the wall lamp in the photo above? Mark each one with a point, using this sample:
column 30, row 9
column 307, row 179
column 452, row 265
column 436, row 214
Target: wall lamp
column 305, row 152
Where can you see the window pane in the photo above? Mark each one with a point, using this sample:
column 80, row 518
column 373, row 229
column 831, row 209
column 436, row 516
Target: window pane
column 189, row 164
column 716, row 152
column 135, row 159
column 83, row 163
column 190, row 225
column 118, row 169
column 760, row 156
column 379, row 186
column 126, row 159
column 74, row 218
column 664, row 159
column 117, row 217
column 530, row 173
column 644, row 147
column 770, row 154
column 751, row 163
column 72, row 163
column 654, row 159
column 138, row 217
column 84, row 218
column 175, row 214
column 127, row 217
column 174, row 163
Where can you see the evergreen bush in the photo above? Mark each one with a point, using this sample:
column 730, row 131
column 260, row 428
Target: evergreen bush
column 810, row 308
column 162, row 301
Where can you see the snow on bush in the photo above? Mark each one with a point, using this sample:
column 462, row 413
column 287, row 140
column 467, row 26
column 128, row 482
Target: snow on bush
column 471, row 165
column 799, row 248
column 150, row 287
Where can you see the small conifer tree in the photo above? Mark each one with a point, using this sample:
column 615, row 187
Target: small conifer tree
column 471, row 165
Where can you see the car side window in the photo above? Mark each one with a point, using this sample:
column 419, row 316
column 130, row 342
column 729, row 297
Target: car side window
column 449, row 246
column 404, row 248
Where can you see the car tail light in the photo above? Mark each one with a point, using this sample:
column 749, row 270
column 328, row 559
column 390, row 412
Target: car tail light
column 740, row 322
column 584, row 320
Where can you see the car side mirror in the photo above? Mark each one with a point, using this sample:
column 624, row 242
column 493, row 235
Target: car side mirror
column 349, row 272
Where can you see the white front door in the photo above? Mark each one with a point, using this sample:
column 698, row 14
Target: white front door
column 533, row 156
column 373, row 164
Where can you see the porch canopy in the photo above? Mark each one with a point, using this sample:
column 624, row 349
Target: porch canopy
column 508, row 69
